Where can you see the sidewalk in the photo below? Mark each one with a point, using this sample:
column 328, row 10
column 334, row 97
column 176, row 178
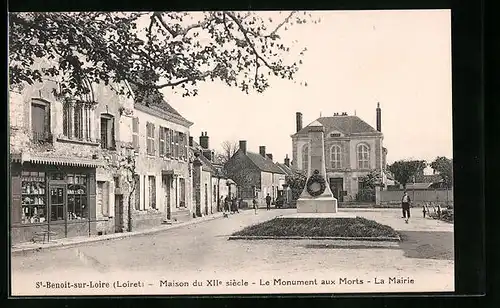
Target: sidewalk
column 22, row 248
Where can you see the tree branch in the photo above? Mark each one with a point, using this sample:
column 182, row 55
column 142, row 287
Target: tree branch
column 244, row 31
column 273, row 33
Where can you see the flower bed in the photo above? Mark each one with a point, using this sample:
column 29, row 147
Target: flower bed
column 319, row 227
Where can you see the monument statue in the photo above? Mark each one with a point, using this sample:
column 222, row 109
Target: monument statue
column 317, row 196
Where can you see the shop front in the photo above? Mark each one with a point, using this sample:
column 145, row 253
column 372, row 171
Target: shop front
column 56, row 197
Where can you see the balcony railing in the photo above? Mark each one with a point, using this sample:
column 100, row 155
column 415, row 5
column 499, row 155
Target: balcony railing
column 42, row 137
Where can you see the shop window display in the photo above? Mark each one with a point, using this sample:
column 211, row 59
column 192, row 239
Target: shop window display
column 34, row 205
column 77, row 197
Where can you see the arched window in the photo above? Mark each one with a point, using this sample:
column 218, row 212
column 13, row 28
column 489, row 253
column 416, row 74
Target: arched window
column 363, row 156
column 335, row 157
column 305, row 157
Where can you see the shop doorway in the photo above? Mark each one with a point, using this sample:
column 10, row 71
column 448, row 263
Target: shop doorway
column 58, row 217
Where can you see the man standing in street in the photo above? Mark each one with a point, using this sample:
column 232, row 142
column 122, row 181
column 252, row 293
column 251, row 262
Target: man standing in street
column 405, row 203
column 254, row 201
column 268, row 202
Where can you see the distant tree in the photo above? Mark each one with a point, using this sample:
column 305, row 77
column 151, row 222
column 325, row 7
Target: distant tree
column 444, row 166
column 228, row 150
column 405, row 170
column 372, row 179
column 151, row 50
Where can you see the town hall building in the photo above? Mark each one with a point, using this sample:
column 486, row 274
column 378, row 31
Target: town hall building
column 353, row 149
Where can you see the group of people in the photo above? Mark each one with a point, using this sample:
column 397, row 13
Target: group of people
column 234, row 204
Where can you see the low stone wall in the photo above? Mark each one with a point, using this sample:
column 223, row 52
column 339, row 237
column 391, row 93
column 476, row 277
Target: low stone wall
column 147, row 220
column 181, row 215
column 105, row 226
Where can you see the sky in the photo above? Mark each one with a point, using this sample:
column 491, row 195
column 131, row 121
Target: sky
column 354, row 59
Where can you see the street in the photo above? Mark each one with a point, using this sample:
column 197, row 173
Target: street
column 426, row 251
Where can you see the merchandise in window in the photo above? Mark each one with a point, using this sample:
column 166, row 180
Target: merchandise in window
column 34, row 205
column 77, row 197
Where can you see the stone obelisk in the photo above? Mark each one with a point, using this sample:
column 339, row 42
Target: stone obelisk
column 317, row 196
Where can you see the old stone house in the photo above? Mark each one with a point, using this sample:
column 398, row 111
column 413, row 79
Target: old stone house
column 65, row 175
column 353, row 149
column 210, row 184
column 161, row 142
column 255, row 174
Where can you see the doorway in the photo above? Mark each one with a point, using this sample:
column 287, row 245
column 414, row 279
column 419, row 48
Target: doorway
column 206, row 199
column 337, row 186
column 57, row 210
column 118, row 213
column 166, row 183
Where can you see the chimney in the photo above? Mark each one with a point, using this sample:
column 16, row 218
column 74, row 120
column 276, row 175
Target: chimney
column 379, row 118
column 287, row 161
column 204, row 140
column 190, row 141
column 243, row 146
column 270, row 156
column 262, row 150
column 298, row 118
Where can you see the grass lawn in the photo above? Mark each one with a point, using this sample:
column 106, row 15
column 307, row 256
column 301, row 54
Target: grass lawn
column 317, row 227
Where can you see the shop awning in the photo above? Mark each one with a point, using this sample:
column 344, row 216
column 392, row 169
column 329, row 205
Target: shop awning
column 61, row 161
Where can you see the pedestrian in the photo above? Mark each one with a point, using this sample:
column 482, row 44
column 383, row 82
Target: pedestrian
column 405, row 203
column 226, row 204
column 254, row 201
column 237, row 204
column 268, row 202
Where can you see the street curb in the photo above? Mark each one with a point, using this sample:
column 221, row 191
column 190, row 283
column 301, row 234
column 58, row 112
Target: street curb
column 335, row 238
column 21, row 251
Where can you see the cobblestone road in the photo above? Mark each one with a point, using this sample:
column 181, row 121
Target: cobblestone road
column 426, row 250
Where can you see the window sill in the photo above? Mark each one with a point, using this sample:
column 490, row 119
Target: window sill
column 76, row 141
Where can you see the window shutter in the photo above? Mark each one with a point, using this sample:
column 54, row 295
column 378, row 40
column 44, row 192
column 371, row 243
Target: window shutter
column 92, row 196
column 113, row 140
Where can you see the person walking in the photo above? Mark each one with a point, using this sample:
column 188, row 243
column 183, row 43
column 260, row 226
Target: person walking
column 405, row 203
column 254, row 201
column 268, row 202
column 226, row 204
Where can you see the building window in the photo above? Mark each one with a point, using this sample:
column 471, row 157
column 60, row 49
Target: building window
column 182, row 144
column 103, row 197
column 107, row 132
column 135, row 133
column 150, row 129
column 164, row 143
column 305, row 157
column 33, row 200
column 335, row 157
column 152, row 191
column 334, row 135
column 363, row 156
column 77, row 122
column 40, row 121
column 77, row 197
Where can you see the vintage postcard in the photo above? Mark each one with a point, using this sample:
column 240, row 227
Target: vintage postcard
column 223, row 152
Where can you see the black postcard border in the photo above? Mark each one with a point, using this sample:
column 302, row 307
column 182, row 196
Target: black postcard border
column 468, row 134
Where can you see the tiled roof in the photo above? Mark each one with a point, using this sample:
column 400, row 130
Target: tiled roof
column 285, row 168
column 345, row 124
column 264, row 164
column 155, row 100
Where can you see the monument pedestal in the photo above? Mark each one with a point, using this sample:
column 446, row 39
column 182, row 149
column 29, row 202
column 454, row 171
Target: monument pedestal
column 324, row 204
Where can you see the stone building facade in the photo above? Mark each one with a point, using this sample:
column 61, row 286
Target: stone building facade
column 64, row 172
column 353, row 149
column 164, row 176
column 255, row 174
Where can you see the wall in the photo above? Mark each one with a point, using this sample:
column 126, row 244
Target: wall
column 417, row 196
column 242, row 171
column 206, row 198
column 153, row 165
